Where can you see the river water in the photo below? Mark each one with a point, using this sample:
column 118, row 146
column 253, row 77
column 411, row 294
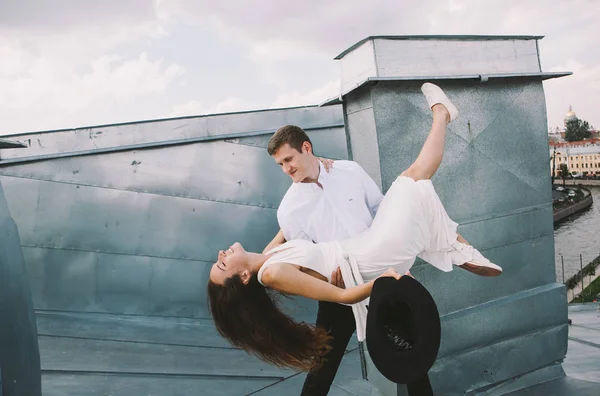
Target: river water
column 577, row 235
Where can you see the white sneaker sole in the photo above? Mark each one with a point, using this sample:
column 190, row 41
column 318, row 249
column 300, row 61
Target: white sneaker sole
column 482, row 269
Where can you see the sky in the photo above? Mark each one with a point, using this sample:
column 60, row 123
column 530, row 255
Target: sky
column 72, row 63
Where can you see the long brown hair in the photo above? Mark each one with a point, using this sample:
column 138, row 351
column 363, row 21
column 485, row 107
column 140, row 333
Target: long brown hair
column 249, row 317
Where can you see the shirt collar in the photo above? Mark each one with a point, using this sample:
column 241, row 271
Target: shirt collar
column 322, row 173
column 321, row 179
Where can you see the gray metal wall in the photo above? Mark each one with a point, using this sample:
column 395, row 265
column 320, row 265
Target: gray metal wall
column 19, row 348
column 128, row 218
column 493, row 183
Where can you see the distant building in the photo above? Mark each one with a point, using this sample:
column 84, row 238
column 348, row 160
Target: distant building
column 582, row 157
column 557, row 134
column 570, row 116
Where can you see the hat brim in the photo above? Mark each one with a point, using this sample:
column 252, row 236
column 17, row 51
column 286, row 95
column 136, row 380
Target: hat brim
column 403, row 301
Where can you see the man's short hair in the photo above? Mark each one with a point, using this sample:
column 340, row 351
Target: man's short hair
column 290, row 134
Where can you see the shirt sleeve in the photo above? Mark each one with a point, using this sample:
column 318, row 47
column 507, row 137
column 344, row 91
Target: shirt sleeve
column 291, row 229
column 373, row 195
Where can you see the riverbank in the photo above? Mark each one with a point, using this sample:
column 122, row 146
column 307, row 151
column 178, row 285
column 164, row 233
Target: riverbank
column 590, row 294
column 576, row 287
column 577, row 182
column 564, row 213
column 576, row 240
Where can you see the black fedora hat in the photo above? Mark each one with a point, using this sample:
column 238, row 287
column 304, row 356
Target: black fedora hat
column 403, row 329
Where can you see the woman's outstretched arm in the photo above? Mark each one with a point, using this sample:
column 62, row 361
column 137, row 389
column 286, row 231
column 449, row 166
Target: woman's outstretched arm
column 288, row 279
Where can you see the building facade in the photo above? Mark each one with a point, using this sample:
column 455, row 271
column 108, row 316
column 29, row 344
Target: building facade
column 582, row 158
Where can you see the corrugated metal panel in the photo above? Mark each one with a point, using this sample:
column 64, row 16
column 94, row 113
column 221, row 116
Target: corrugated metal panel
column 120, row 225
column 160, row 133
column 68, row 216
column 114, row 232
column 327, row 142
column 204, row 171
column 490, row 183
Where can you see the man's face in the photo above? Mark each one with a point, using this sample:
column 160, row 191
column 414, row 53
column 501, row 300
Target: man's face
column 295, row 164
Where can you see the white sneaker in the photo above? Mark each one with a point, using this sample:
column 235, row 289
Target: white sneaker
column 435, row 95
column 477, row 264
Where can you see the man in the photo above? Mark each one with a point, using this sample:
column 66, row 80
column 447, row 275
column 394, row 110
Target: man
column 322, row 205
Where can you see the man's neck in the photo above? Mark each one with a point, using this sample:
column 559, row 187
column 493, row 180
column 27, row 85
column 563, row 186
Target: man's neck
column 313, row 174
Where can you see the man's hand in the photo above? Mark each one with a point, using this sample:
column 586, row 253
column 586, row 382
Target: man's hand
column 327, row 163
column 337, row 279
column 393, row 274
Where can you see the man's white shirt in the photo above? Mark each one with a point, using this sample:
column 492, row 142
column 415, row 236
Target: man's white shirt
column 343, row 208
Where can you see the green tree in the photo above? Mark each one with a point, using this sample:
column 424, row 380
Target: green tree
column 577, row 129
column 553, row 159
column 564, row 171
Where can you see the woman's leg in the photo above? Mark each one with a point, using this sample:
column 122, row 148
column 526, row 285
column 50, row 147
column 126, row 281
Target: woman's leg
column 431, row 154
column 461, row 239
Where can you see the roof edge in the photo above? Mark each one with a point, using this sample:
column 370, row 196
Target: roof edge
column 8, row 144
column 481, row 77
column 156, row 120
column 437, row 37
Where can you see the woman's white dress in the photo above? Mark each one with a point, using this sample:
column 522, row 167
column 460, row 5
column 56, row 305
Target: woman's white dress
column 411, row 221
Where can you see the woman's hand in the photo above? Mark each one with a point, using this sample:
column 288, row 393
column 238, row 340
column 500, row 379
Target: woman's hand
column 327, row 163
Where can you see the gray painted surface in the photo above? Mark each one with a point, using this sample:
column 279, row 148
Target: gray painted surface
column 113, row 232
column 118, row 240
column 491, row 182
column 7, row 144
column 382, row 58
column 166, row 132
column 99, row 354
column 19, row 349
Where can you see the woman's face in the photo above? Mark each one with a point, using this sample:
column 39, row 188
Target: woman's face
column 230, row 262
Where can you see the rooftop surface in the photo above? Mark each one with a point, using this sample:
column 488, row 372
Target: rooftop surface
column 99, row 354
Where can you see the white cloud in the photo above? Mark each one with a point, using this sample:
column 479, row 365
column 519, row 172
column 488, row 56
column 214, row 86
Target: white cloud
column 581, row 73
column 323, row 26
column 53, row 75
column 42, row 83
column 455, row 6
column 56, row 64
column 316, row 96
column 294, row 31
column 42, row 16
column 580, row 90
column 276, row 49
column 195, row 107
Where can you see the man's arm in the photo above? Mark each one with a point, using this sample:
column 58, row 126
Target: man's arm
column 290, row 227
column 278, row 240
column 288, row 230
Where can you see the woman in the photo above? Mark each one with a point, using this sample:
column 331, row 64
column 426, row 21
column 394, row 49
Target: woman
column 411, row 222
